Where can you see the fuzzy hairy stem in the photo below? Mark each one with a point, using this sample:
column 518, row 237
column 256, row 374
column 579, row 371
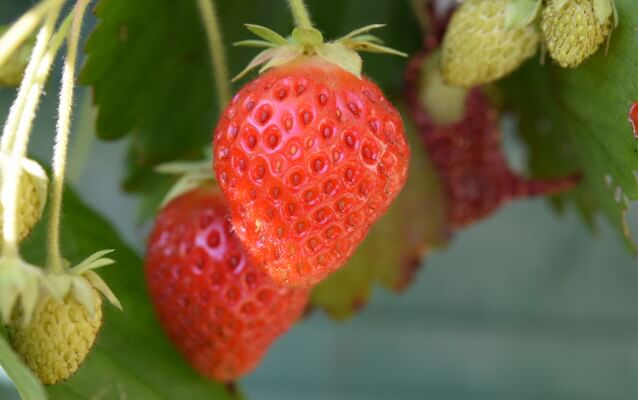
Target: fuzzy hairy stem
column 300, row 14
column 63, row 128
column 12, row 169
column 42, row 41
column 216, row 48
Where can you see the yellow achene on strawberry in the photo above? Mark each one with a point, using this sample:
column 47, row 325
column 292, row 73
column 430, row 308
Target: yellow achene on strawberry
column 575, row 29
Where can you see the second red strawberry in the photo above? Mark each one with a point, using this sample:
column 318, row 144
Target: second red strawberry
column 220, row 311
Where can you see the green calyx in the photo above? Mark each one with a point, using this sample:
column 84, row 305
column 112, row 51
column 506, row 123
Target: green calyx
column 309, row 41
column 604, row 10
column 192, row 174
column 20, row 285
column 522, row 13
column 80, row 280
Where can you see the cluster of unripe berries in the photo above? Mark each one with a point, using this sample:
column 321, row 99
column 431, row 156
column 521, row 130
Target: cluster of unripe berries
column 488, row 39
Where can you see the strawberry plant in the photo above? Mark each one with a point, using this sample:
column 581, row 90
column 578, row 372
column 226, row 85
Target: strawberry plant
column 295, row 188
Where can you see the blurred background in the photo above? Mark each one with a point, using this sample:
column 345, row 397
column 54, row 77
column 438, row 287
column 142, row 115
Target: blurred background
column 525, row 305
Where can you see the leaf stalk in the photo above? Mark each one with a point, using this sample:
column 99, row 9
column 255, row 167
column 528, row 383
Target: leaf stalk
column 217, row 53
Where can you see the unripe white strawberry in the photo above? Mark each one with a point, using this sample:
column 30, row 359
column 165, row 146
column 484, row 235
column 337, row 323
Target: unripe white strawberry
column 31, row 198
column 479, row 47
column 58, row 338
column 12, row 70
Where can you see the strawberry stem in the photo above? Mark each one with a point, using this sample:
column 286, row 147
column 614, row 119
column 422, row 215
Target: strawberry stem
column 37, row 54
column 300, row 14
column 22, row 28
column 20, row 121
column 216, row 48
column 63, row 128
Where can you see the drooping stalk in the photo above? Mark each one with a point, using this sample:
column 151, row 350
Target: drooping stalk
column 300, row 14
column 63, row 129
column 216, row 48
column 22, row 28
column 12, row 170
column 41, row 44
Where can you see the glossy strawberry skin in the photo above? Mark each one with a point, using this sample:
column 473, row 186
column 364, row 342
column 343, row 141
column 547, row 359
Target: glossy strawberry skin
column 308, row 157
column 219, row 310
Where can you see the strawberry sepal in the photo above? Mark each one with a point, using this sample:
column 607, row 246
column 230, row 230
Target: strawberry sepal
column 310, row 41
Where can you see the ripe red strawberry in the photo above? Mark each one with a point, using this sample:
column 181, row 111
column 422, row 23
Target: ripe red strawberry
column 219, row 309
column 308, row 157
column 468, row 156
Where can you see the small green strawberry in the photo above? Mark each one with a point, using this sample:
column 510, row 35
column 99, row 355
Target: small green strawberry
column 12, row 70
column 59, row 337
column 445, row 104
column 575, row 29
column 488, row 39
column 56, row 339
column 32, row 197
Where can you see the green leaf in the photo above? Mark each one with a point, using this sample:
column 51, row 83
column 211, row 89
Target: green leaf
column 577, row 120
column 155, row 84
column 393, row 250
column 26, row 383
column 132, row 357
